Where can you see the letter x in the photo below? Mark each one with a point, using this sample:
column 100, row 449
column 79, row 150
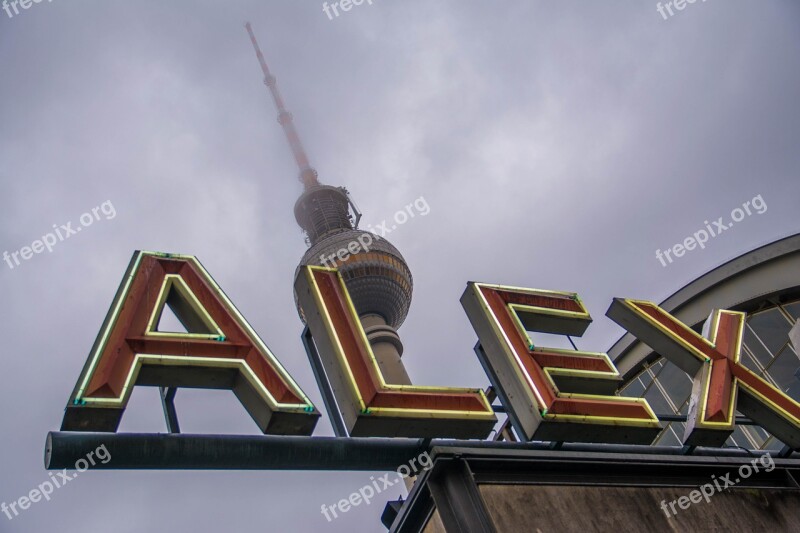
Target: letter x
column 69, row 230
column 64, row 476
column 721, row 383
column 720, row 225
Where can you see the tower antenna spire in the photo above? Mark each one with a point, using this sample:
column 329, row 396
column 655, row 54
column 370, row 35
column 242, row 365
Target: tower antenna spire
column 308, row 176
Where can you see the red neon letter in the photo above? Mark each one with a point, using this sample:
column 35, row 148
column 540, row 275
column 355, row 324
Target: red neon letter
column 220, row 351
column 532, row 377
column 719, row 377
column 369, row 406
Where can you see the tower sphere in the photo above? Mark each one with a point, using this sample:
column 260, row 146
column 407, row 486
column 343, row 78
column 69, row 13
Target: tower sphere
column 376, row 275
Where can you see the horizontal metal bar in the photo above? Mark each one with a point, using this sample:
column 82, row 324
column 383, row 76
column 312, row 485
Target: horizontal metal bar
column 269, row 452
column 229, row 452
column 740, row 420
column 627, row 472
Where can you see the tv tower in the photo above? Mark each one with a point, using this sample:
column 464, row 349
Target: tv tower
column 376, row 275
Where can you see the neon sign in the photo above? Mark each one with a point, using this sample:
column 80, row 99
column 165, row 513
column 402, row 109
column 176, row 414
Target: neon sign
column 549, row 393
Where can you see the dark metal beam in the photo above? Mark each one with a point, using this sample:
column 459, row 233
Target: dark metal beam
column 230, row 452
column 270, row 452
column 168, row 403
column 740, row 420
column 620, row 470
column 323, row 384
column 496, row 388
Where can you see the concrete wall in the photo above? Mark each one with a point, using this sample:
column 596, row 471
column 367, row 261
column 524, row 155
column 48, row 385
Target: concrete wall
column 563, row 509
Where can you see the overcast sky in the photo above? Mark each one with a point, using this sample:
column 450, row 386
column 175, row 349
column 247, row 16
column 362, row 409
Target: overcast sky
column 558, row 145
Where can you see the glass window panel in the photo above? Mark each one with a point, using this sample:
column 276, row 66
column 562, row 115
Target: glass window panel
column 684, row 410
column 733, row 443
column 793, row 309
column 741, row 439
column 658, row 402
column 675, row 382
column 756, row 435
column 749, row 361
column 756, row 348
column 668, row 437
column 679, row 428
column 761, row 435
column 773, row 444
column 772, row 328
column 634, row 389
column 646, row 378
column 792, row 348
column 784, row 369
column 656, row 367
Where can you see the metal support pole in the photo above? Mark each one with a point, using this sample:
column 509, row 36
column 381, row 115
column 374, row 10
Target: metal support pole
column 504, row 400
column 230, row 452
column 168, row 403
column 323, row 384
